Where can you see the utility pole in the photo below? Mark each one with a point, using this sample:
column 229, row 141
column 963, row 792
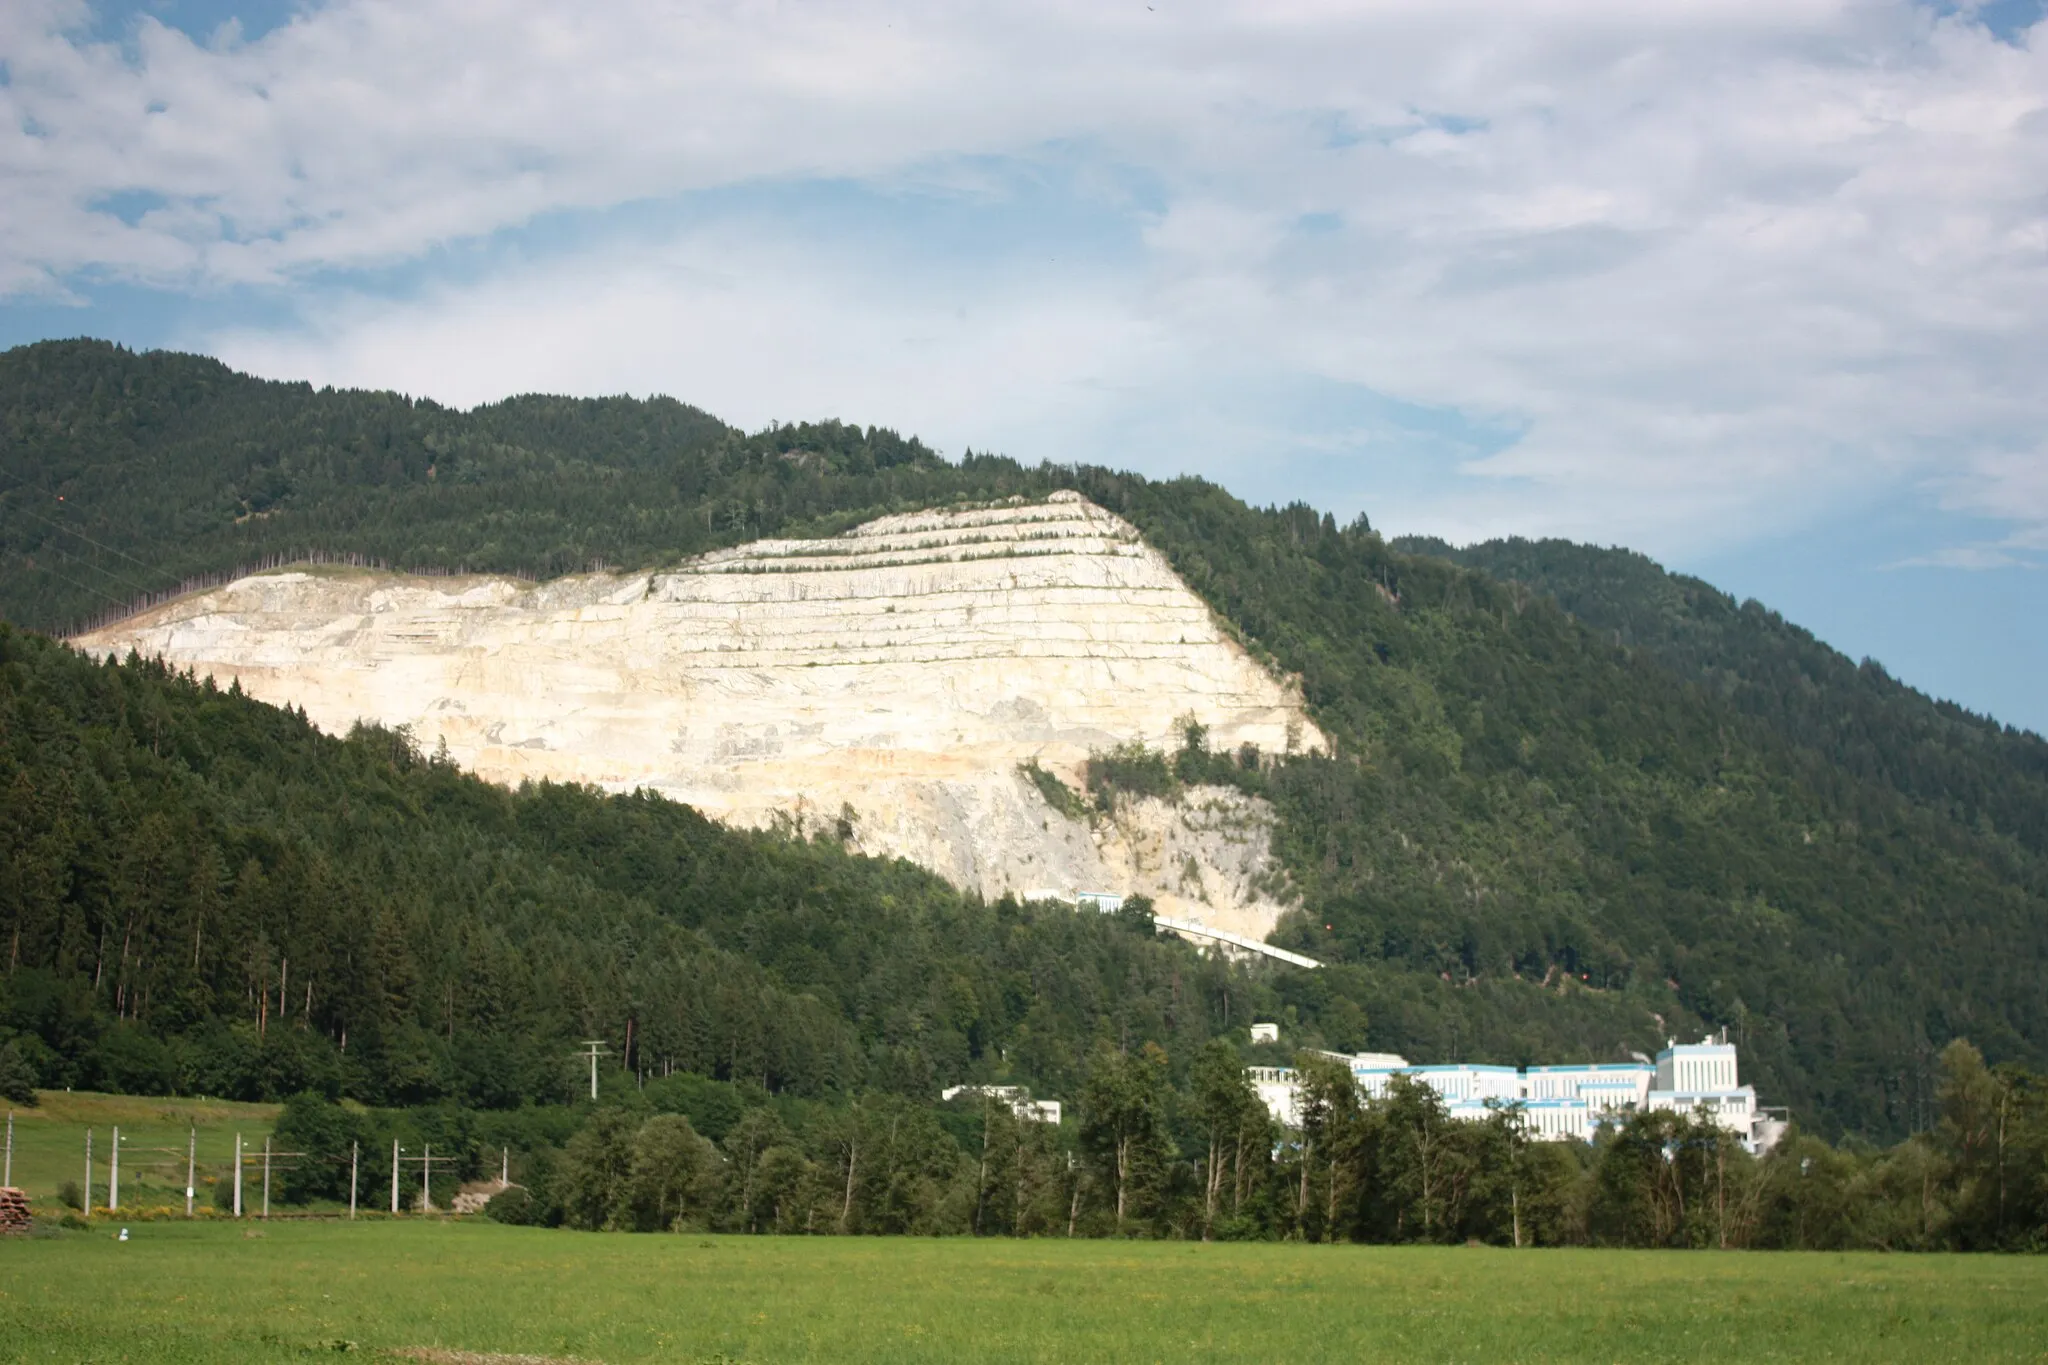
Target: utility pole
column 354, row 1151
column 394, row 1175
column 191, row 1166
column 88, row 1173
column 266, row 1175
column 114, row 1172
column 504, row 1155
column 8, row 1179
column 427, row 1180
column 238, row 1175
column 596, row 1046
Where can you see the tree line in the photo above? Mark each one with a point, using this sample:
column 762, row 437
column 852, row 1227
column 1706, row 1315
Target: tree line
column 1143, row 1155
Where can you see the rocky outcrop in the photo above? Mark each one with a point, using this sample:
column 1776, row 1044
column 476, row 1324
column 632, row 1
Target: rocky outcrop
column 892, row 678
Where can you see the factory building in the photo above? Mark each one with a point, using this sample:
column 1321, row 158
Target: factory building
column 1562, row 1103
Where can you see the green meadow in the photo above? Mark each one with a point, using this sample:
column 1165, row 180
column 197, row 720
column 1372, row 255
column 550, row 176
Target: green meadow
column 216, row 1291
column 49, row 1145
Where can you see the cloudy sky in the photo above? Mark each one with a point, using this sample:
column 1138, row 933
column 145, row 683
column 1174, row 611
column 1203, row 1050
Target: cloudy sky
column 1759, row 287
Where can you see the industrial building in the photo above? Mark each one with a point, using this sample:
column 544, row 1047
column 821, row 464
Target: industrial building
column 1564, row 1102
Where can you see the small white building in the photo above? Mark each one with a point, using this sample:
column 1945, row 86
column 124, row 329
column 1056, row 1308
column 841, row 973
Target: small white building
column 1016, row 1096
column 1265, row 1033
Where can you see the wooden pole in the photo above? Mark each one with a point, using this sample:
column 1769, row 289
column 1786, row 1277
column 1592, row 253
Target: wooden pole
column 354, row 1151
column 427, row 1180
column 191, row 1166
column 114, row 1172
column 8, row 1179
column 266, row 1175
column 238, row 1175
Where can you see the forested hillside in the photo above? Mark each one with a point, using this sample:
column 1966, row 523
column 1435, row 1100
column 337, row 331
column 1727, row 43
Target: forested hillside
column 1534, row 842
column 204, row 894
column 1854, row 716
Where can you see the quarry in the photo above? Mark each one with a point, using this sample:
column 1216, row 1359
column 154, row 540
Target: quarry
column 884, row 687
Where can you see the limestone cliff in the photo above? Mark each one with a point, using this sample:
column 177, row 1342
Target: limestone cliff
column 894, row 676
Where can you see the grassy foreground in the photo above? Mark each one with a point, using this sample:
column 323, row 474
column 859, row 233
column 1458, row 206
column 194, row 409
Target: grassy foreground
column 192, row 1292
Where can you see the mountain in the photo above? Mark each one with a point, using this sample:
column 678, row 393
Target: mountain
column 1524, row 840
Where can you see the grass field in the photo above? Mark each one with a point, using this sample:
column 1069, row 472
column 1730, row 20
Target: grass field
column 192, row 1292
column 49, row 1143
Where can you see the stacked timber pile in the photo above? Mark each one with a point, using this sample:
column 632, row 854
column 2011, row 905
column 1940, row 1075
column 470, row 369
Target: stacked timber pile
column 14, row 1214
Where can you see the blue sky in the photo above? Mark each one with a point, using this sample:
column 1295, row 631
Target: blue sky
column 1759, row 287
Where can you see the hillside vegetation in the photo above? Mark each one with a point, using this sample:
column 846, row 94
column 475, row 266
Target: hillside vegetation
column 1853, row 716
column 1533, row 842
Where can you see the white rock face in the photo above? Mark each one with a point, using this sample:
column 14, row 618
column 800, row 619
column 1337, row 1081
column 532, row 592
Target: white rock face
column 903, row 670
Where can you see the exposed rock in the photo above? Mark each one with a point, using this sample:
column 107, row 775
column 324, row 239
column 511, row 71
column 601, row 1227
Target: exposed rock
column 477, row 1195
column 893, row 677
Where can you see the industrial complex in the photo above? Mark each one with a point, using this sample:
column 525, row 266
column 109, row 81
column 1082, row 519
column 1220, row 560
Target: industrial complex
column 1565, row 1102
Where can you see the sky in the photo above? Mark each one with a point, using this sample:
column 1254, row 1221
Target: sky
column 1757, row 287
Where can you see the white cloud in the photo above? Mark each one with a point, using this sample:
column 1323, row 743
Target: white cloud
column 1721, row 262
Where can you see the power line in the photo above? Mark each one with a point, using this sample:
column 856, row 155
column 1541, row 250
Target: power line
column 50, row 521
column 117, row 601
column 98, row 568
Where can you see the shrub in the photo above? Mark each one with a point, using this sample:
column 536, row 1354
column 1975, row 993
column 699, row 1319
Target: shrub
column 1129, row 770
column 17, row 1075
column 515, row 1206
column 1136, row 915
column 70, row 1196
column 1057, row 794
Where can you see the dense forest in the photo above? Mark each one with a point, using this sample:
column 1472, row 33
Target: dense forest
column 1853, row 716
column 1547, row 832
column 206, row 895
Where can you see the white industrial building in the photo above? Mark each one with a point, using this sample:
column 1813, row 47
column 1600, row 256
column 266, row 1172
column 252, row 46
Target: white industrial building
column 1561, row 1102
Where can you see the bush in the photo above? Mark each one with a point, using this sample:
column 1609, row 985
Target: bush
column 1129, row 770
column 530, row 1203
column 515, row 1206
column 1057, row 794
column 70, row 1196
column 323, row 1131
column 712, row 1107
column 17, row 1075
column 131, row 1061
column 1136, row 914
